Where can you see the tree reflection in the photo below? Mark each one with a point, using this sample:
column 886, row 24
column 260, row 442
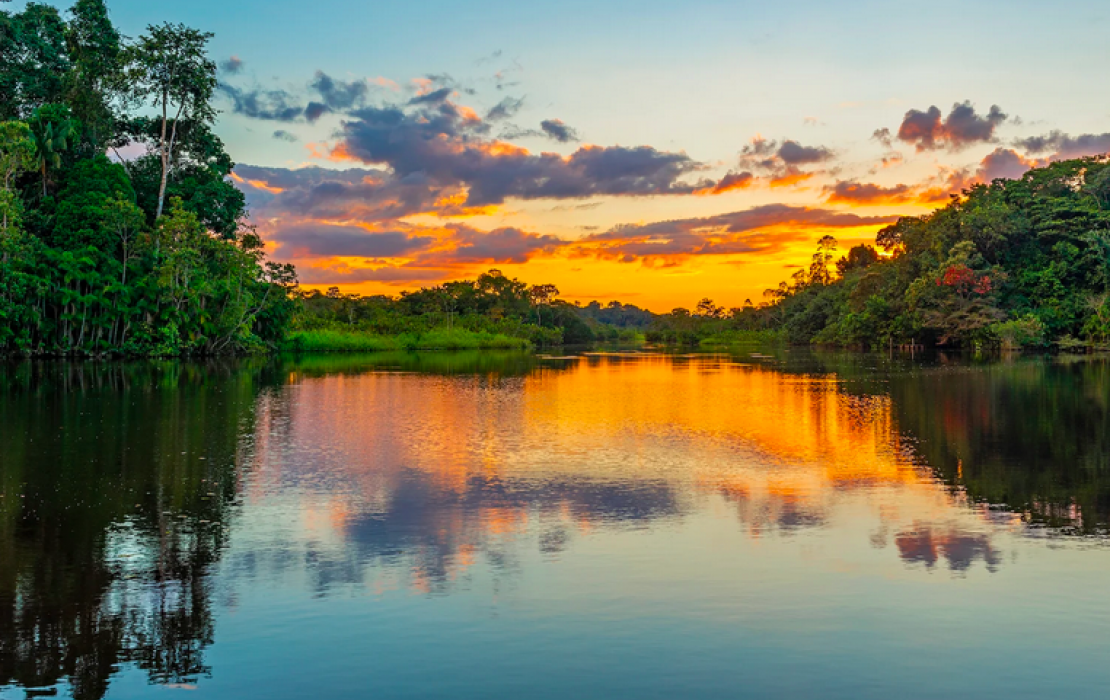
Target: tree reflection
column 927, row 544
column 1029, row 434
column 114, row 503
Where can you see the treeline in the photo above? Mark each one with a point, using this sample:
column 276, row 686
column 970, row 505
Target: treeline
column 1016, row 263
column 491, row 304
column 144, row 255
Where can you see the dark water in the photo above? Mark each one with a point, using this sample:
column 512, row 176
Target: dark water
column 477, row 526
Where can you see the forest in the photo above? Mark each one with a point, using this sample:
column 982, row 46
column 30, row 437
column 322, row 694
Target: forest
column 151, row 254
column 1012, row 264
column 491, row 311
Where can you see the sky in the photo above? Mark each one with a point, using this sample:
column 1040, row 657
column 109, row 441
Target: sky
column 651, row 152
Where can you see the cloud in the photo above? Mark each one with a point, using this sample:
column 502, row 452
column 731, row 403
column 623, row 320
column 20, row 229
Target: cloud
column 283, row 135
column 884, row 137
column 315, row 110
column 306, row 240
column 358, row 195
column 502, row 246
column 284, row 106
column 867, row 193
column 432, row 97
column 1065, row 146
column 1000, row 163
column 505, row 109
column 389, row 274
column 315, row 212
column 793, row 153
column 764, row 229
column 232, row 65
column 1003, row 163
column 891, row 159
column 268, row 105
column 783, row 162
column 557, row 130
column 338, row 95
column 447, row 144
column 731, row 181
column 961, row 128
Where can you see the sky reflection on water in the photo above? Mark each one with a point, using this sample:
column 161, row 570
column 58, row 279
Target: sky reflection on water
column 605, row 525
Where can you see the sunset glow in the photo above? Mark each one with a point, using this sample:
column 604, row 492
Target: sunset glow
column 501, row 136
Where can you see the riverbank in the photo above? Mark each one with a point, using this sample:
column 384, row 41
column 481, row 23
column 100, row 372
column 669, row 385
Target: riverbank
column 741, row 337
column 435, row 339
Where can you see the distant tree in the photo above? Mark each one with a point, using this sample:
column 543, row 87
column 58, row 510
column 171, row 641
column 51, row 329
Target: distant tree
column 819, row 272
column 858, row 258
column 542, row 295
column 706, row 308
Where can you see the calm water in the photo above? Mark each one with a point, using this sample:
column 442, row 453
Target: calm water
column 601, row 526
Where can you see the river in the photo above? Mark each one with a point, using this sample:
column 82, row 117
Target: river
column 473, row 525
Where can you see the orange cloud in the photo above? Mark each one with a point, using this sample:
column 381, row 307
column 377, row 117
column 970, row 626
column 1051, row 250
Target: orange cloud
column 790, row 178
column 257, row 184
column 867, row 193
column 730, row 182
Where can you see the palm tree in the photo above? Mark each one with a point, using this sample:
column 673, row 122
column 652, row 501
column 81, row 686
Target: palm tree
column 52, row 128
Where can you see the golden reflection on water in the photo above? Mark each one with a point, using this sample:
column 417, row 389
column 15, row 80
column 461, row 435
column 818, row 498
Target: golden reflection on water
column 606, row 441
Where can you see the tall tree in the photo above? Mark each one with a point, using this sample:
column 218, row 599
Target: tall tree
column 170, row 67
column 96, row 51
column 33, row 59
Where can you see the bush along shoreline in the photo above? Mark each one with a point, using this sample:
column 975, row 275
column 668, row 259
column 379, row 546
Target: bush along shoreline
column 433, row 339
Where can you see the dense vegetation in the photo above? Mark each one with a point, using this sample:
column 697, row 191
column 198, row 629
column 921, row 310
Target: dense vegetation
column 1016, row 263
column 149, row 255
column 489, row 312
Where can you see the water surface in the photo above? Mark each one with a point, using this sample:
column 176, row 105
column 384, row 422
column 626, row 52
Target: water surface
column 601, row 525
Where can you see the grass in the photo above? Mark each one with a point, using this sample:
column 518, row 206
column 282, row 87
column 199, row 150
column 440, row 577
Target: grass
column 741, row 338
column 434, row 339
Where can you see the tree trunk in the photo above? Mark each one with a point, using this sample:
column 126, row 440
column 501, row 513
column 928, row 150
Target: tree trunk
column 164, row 148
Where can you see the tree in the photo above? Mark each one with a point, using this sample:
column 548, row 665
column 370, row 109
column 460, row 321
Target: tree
column 858, row 258
column 819, row 272
column 96, row 51
column 126, row 220
column 53, row 129
column 708, row 309
column 17, row 154
column 542, row 295
column 170, row 67
column 33, row 60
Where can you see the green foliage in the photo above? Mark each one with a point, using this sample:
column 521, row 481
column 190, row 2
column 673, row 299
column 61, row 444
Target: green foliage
column 329, row 340
column 1017, row 263
column 490, row 306
column 53, row 131
column 91, row 261
column 169, row 67
column 1018, row 333
column 33, row 60
column 96, row 79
